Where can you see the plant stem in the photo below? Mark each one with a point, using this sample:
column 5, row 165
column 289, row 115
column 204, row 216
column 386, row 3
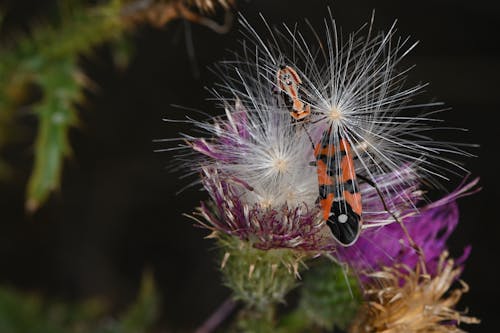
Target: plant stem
column 222, row 312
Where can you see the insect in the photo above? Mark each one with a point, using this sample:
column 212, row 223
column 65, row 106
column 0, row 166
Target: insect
column 289, row 83
column 339, row 192
column 339, row 195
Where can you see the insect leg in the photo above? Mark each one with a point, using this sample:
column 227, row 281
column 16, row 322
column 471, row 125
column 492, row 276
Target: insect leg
column 415, row 246
column 310, row 139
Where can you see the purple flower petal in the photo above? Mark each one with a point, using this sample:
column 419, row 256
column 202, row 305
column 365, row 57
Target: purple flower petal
column 430, row 229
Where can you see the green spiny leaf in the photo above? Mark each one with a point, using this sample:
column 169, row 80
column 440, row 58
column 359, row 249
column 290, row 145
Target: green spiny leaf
column 56, row 115
column 48, row 57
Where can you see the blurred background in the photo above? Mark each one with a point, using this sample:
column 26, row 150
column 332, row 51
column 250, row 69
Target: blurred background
column 116, row 213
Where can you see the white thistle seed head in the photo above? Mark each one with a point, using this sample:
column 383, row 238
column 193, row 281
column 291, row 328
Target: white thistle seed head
column 355, row 92
column 257, row 144
column 357, row 88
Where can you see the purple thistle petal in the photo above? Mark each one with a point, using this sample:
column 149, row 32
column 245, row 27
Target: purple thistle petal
column 240, row 120
column 234, row 129
column 400, row 193
column 203, row 147
column 430, row 229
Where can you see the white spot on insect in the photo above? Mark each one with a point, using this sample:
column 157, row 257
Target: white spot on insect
column 342, row 218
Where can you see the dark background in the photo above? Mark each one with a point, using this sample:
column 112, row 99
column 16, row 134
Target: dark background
column 117, row 212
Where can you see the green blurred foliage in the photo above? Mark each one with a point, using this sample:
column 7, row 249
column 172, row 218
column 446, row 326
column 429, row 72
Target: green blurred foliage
column 329, row 298
column 47, row 58
column 27, row 313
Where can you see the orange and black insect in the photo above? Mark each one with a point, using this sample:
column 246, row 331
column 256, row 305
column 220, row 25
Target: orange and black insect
column 339, row 192
column 339, row 195
column 289, row 83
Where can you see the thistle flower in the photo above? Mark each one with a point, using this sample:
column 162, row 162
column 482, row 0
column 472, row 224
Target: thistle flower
column 420, row 304
column 265, row 208
column 258, row 175
column 278, row 227
column 260, row 191
column 263, row 159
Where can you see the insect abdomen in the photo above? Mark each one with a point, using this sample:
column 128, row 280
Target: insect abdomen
column 340, row 199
